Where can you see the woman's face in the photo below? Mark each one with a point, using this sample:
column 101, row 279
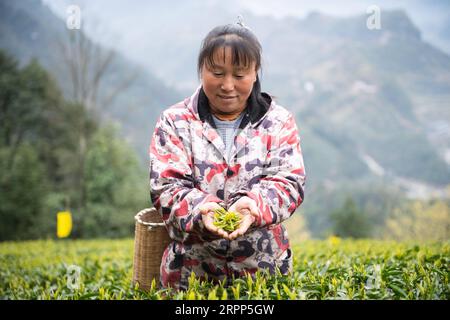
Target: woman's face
column 227, row 86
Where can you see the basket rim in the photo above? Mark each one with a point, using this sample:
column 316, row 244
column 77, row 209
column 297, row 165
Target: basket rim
column 139, row 215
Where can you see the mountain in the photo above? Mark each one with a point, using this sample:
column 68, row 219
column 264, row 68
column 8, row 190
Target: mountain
column 29, row 29
column 361, row 96
column 371, row 105
column 323, row 68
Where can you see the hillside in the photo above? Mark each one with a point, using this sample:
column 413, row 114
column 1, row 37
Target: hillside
column 360, row 95
column 29, row 29
column 371, row 105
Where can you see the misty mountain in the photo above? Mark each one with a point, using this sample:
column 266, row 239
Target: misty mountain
column 371, row 105
column 360, row 95
column 368, row 102
column 369, row 98
column 366, row 98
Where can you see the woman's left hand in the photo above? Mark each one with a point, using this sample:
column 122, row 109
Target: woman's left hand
column 249, row 211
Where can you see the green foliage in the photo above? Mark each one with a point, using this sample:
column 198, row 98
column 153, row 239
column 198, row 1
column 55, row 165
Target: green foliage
column 421, row 221
column 323, row 270
column 26, row 96
column 55, row 156
column 23, row 187
column 109, row 186
column 115, row 186
column 349, row 221
column 375, row 199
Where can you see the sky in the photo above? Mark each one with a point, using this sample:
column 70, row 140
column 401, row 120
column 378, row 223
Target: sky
column 431, row 16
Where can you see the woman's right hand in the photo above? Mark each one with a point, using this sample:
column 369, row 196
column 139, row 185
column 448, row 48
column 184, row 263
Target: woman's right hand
column 207, row 211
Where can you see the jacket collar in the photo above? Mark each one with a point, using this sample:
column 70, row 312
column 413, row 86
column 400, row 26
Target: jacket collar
column 253, row 113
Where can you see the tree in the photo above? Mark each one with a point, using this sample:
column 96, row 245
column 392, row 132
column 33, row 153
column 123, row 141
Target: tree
column 349, row 221
column 87, row 66
column 38, row 175
column 25, row 97
column 23, row 187
column 116, row 186
column 420, row 221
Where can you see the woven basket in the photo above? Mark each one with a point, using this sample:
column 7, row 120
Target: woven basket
column 150, row 241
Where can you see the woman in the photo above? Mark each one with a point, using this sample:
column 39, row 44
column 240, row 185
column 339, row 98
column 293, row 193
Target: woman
column 228, row 145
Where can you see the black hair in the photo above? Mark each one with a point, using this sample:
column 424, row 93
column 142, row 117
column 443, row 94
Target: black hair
column 245, row 49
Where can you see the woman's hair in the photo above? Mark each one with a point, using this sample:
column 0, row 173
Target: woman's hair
column 245, row 49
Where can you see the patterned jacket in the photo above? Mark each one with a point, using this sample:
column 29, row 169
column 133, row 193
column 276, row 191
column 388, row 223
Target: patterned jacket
column 188, row 169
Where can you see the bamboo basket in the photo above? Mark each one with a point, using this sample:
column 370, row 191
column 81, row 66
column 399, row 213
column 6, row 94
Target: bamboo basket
column 150, row 241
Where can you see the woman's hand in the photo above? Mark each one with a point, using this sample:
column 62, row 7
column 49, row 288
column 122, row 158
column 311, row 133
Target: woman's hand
column 249, row 211
column 207, row 211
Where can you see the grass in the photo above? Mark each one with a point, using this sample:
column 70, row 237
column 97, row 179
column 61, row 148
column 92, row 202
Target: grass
column 323, row 269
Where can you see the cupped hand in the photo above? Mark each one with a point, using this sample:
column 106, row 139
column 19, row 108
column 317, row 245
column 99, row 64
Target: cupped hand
column 207, row 211
column 249, row 211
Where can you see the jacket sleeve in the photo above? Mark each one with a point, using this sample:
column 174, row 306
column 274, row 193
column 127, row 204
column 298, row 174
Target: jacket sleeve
column 280, row 190
column 172, row 185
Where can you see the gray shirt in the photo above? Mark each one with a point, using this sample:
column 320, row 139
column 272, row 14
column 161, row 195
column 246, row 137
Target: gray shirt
column 227, row 131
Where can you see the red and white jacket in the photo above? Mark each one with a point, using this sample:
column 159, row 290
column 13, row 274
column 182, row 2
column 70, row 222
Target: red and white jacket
column 188, row 168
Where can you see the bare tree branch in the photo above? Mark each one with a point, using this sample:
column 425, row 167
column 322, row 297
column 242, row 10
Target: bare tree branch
column 122, row 87
column 87, row 64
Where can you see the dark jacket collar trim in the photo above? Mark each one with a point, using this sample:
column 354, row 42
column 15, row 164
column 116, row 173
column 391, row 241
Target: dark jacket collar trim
column 254, row 111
